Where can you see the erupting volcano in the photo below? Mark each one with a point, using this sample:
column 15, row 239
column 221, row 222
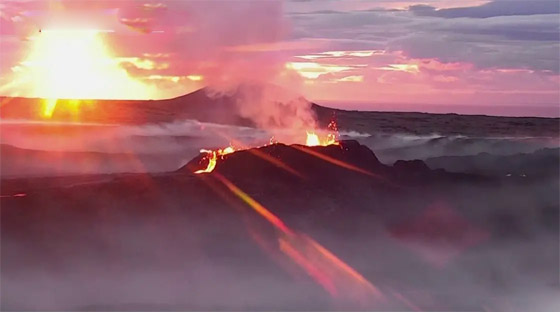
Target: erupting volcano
column 266, row 156
column 210, row 158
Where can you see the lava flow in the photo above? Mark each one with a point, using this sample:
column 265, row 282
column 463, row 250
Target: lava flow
column 212, row 158
column 332, row 137
column 312, row 139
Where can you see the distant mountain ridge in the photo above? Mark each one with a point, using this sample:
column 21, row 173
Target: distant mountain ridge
column 196, row 105
column 223, row 109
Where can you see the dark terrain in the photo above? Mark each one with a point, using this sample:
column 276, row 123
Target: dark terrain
column 100, row 210
column 109, row 136
column 425, row 239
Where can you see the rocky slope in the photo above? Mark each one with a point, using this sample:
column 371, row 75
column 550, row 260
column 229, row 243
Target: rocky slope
column 279, row 227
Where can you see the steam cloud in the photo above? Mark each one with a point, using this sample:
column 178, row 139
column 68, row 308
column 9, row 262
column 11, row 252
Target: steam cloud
column 228, row 48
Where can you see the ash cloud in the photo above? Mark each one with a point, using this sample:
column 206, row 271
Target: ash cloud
column 272, row 108
column 222, row 47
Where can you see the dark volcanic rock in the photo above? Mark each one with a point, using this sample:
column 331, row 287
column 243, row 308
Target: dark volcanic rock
column 416, row 166
column 180, row 241
column 415, row 170
column 304, row 159
column 332, row 163
column 542, row 163
column 327, row 166
column 348, row 150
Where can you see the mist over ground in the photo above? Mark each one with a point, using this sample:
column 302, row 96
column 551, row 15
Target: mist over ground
column 106, row 216
column 428, row 240
column 46, row 148
column 108, row 205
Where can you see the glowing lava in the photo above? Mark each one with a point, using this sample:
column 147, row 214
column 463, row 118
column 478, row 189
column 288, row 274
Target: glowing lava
column 212, row 158
column 312, row 140
column 332, row 137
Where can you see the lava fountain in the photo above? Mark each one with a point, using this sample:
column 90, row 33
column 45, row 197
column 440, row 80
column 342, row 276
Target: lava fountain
column 212, row 156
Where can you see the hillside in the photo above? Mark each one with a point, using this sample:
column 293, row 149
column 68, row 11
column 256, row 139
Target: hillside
column 335, row 238
column 223, row 110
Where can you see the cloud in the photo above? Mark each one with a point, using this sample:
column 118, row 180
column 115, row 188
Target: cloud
column 492, row 9
column 500, row 42
column 198, row 38
column 163, row 43
column 503, row 41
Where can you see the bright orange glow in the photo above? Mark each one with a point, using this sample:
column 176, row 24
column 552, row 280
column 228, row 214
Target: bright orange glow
column 212, row 158
column 331, row 138
column 312, row 139
column 49, row 106
column 74, row 64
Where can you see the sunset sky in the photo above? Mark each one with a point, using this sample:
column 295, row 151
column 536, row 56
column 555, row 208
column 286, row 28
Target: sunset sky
column 454, row 52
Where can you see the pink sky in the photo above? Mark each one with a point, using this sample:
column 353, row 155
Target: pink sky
column 447, row 52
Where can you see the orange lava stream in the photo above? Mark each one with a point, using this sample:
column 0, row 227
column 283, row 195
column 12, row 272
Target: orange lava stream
column 212, row 158
column 312, row 139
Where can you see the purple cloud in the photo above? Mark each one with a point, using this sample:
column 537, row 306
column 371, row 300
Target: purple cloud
column 492, row 9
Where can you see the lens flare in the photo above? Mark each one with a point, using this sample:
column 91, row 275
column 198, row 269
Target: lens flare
column 338, row 278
